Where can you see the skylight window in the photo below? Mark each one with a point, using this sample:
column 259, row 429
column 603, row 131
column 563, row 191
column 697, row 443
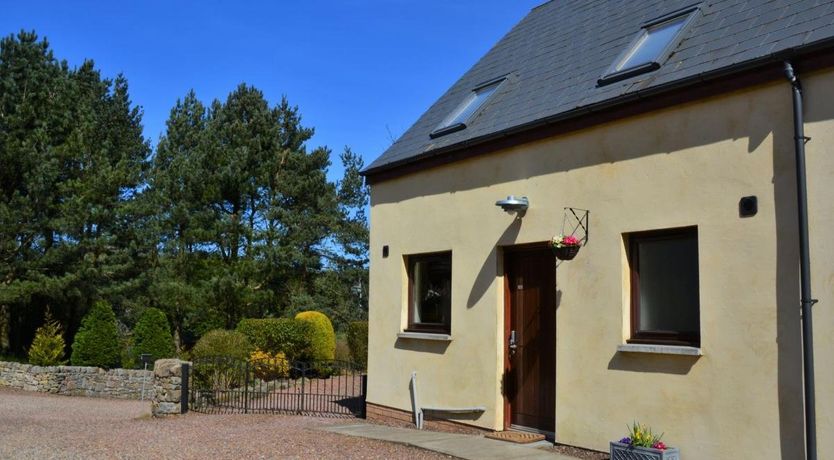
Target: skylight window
column 652, row 46
column 456, row 120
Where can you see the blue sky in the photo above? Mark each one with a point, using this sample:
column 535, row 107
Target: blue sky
column 358, row 70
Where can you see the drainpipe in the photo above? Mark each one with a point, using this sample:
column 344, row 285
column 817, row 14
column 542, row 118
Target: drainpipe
column 806, row 299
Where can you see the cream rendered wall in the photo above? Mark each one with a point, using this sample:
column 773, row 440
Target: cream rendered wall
column 687, row 165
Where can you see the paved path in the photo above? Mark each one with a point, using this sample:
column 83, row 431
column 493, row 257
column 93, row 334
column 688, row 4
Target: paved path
column 457, row 445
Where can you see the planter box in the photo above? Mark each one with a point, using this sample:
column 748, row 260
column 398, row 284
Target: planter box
column 620, row 451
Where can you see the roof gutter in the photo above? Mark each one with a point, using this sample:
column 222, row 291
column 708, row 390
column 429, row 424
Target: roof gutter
column 624, row 100
column 806, row 299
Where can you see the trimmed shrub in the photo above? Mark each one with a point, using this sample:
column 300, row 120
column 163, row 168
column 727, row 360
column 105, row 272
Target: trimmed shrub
column 358, row 342
column 272, row 335
column 97, row 341
column 342, row 348
column 323, row 343
column 48, row 347
column 152, row 335
column 221, row 342
column 268, row 367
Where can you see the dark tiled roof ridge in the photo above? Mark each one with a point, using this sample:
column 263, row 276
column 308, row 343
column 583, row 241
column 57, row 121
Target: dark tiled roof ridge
column 559, row 50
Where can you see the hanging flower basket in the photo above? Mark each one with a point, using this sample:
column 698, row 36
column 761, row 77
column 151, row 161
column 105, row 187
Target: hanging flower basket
column 565, row 247
column 566, row 252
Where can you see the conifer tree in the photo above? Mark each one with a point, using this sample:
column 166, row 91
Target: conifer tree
column 97, row 341
column 152, row 335
column 48, row 346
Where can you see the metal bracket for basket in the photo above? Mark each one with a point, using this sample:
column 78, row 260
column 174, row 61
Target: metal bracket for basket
column 577, row 223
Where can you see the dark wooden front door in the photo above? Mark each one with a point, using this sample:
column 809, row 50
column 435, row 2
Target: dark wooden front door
column 530, row 382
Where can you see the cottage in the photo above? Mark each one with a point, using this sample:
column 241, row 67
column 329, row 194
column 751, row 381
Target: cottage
column 661, row 134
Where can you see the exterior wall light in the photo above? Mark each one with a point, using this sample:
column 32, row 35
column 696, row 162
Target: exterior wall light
column 515, row 204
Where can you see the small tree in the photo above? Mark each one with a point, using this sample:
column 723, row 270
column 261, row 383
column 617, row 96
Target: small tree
column 322, row 334
column 48, row 347
column 152, row 335
column 97, row 341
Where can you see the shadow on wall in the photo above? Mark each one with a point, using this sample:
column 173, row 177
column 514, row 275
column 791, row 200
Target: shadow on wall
column 788, row 326
column 644, row 362
column 425, row 346
column 438, row 414
column 487, row 273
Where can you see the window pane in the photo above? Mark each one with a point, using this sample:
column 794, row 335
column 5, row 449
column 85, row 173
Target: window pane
column 470, row 105
column 653, row 41
column 431, row 280
column 480, row 97
column 669, row 284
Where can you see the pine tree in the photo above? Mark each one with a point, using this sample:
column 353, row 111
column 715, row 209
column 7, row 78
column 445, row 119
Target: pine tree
column 34, row 95
column 73, row 159
column 177, row 194
column 341, row 289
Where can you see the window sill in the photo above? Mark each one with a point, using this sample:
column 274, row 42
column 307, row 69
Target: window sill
column 659, row 349
column 425, row 336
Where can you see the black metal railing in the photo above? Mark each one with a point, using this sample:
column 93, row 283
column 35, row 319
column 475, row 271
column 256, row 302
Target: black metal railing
column 224, row 384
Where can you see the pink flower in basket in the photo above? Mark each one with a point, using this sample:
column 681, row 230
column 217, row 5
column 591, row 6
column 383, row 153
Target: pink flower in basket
column 565, row 241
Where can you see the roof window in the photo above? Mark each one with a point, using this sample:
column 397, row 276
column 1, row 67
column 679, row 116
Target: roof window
column 652, row 46
column 476, row 99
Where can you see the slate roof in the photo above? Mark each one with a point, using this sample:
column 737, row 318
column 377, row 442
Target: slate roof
column 556, row 54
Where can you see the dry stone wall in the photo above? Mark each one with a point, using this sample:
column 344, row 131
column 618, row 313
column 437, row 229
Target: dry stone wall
column 78, row 381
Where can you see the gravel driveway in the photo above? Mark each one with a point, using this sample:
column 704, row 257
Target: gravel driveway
column 39, row 426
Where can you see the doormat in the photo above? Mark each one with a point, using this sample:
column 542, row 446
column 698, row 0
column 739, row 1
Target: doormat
column 518, row 437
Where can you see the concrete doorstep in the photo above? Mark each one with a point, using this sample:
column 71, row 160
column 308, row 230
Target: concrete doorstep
column 456, row 445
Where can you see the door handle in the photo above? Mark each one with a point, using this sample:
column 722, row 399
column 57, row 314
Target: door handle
column 513, row 342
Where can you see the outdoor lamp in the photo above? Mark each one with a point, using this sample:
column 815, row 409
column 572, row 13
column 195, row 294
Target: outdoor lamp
column 514, row 204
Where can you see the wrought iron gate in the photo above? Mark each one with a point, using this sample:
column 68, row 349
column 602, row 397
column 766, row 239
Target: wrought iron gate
column 231, row 385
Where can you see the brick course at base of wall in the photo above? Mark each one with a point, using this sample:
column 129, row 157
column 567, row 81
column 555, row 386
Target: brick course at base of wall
column 397, row 417
column 77, row 380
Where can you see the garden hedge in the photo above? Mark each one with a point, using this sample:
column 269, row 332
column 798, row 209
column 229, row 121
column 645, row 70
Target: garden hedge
column 97, row 340
column 357, row 337
column 323, row 344
column 291, row 337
